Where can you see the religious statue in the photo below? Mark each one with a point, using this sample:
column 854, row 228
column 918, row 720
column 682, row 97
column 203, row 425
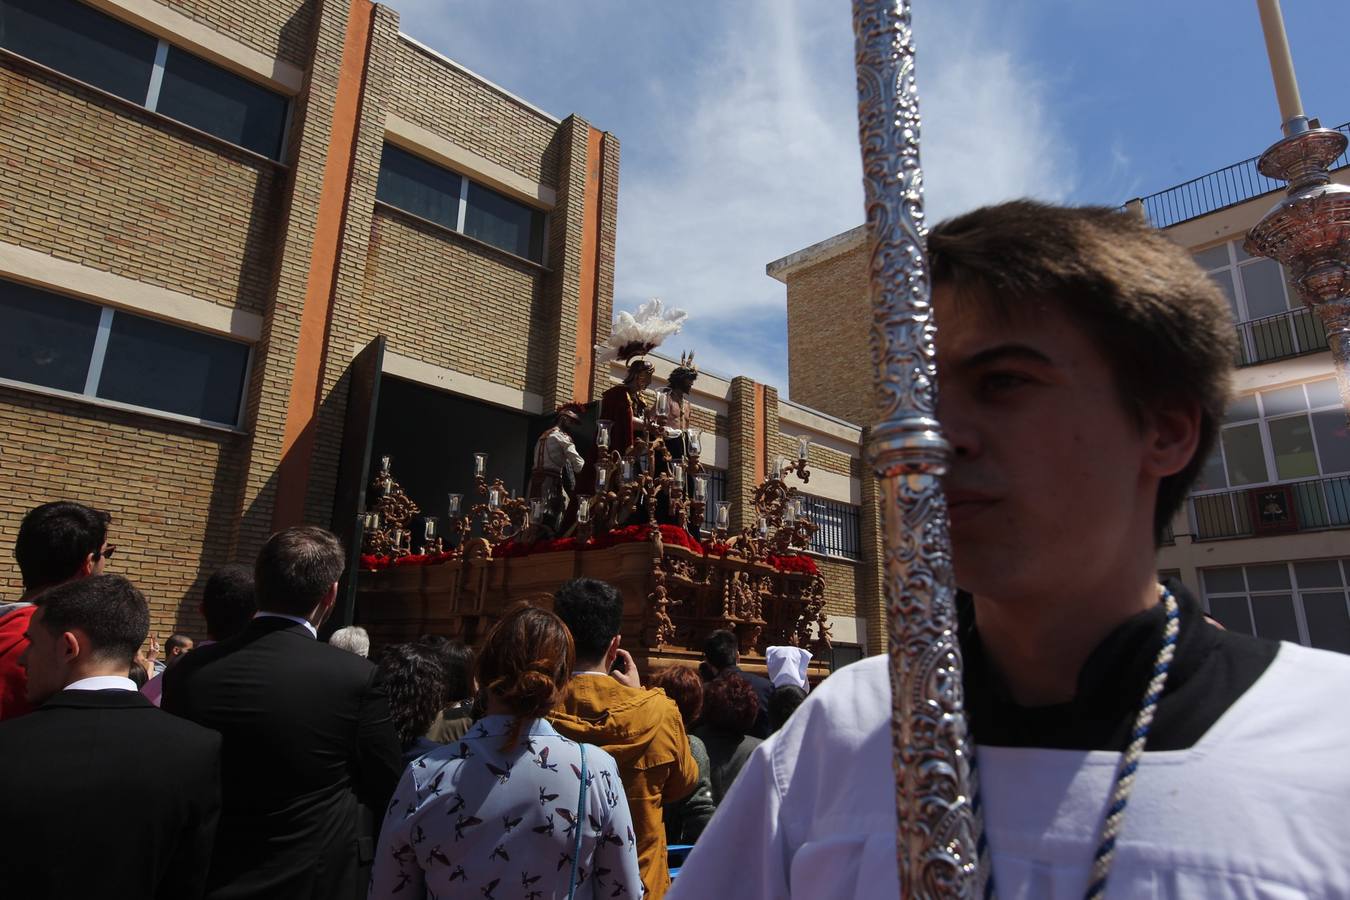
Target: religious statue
column 557, row 463
column 624, row 406
column 672, row 417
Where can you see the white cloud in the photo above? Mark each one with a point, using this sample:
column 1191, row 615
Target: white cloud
column 739, row 133
column 771, row 161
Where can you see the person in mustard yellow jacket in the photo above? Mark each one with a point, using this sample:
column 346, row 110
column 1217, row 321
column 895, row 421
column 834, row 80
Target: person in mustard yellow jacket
column 604, row 704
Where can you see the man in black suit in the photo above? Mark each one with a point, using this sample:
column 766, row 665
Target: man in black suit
column 307, row 734
column 101, row 794
column 722, row 654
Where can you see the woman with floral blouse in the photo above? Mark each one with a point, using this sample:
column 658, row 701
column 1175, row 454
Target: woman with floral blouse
column 503, row 813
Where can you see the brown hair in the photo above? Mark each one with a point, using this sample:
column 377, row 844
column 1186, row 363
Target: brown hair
column 296, row 568
column 730, row 703
column 1161, row 323
column 682, row 685
column 525, row 662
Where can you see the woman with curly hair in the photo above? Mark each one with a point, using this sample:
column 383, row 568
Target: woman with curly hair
column 730, row 707
column 414, row 678
column 512, row 807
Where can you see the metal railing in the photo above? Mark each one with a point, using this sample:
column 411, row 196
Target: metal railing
column 1218, row 190
column 1169, row 537
column 1319, row 504
column 836, row 528
column 1293, row 333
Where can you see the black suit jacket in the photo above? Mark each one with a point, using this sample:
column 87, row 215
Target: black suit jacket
column 307, row 739
column 763, row 690
column 103, row 795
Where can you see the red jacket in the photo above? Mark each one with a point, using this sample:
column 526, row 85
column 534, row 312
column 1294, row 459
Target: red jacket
column 13, row 677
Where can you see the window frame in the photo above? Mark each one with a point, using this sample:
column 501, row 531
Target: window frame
column 98, row 354
column 462, row 208
column 850, row 515
column 1267, row 446
column 1233, row 267
column 150, row 102
column 1294, row 591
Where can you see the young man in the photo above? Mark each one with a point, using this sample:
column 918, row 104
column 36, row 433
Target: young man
column 1083, row 362
column 228, row 604
column 104, row 795
column 722, row 653
column 58, row 542
column 606, row 706
column 308, row 737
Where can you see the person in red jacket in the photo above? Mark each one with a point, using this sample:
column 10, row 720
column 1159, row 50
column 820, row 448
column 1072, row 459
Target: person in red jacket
column 58, row 542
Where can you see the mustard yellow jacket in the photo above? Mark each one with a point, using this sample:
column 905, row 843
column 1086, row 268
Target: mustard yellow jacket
column 642, row 730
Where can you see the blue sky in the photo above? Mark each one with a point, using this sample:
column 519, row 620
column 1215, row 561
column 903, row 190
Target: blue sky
column 739, row 136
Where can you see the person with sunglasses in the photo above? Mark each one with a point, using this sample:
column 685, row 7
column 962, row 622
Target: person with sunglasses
column 58, row 542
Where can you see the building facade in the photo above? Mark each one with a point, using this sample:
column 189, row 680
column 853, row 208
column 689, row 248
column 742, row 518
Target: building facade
column 1262, row 539
column 245, row 249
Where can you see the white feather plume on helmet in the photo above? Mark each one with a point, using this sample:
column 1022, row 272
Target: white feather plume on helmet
column 635, row 334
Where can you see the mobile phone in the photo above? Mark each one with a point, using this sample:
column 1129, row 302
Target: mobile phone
column 620, row 664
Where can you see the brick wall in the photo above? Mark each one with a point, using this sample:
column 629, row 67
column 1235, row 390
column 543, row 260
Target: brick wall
column 279, row 28
column 741, row 479
column 169, row 488
column 447, row 102
column 841, row 589
column 90, row 179
column 450, row 303
column 829, row 327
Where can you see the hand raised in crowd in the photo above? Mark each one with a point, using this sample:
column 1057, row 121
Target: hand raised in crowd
column 625, row 670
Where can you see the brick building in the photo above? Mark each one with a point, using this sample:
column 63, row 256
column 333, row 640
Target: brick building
column 245, row 247
column 1284, row 574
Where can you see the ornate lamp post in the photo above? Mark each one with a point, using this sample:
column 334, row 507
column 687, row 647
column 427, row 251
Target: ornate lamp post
column 1308, row 232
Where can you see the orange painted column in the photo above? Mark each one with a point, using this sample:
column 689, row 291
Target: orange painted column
column 297, row 449
column 583, row 369
column 761, row 436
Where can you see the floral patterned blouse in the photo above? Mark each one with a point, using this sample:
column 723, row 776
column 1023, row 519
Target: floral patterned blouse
column 471, row 820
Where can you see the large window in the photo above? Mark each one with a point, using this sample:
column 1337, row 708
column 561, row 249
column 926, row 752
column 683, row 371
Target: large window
column 99, row 50
column 1285, row 434
column 1303, row 602
column 836, row 527
column 1255, row 286
column 85, row 350
column 439, row 195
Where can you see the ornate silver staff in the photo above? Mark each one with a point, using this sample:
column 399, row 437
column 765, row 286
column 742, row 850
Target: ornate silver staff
column 937, row 815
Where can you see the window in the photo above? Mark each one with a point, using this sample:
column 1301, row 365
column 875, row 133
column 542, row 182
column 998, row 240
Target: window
column 81, row 42
column 446, row 198
column 91, row 351
column 1303, row 602
column 221, row 103
column 1256, row 287
column 99, row 50
column 836, row 527
column 1285, row 434
column 502, row 222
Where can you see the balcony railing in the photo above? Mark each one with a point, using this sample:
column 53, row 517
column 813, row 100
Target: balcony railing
column 1280, row 336
column 1217, row 190
column 1319, row 504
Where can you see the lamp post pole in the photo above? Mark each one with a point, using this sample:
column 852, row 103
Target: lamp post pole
column 1309, row 230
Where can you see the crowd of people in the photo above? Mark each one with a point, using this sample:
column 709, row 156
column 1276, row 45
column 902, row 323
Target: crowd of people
column 279, row 765
column 1125, row 746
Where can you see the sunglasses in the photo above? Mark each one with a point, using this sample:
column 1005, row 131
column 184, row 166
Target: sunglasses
column 106, row 554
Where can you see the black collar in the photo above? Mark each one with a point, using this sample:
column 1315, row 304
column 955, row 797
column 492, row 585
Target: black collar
column 113, row 698
column 1210, row 671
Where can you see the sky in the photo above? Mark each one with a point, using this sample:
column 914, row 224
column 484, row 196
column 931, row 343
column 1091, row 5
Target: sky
column 738, row 129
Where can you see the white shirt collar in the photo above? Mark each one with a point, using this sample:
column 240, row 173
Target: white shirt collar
column 299, row 620
column 588, row 672
column 102, row 683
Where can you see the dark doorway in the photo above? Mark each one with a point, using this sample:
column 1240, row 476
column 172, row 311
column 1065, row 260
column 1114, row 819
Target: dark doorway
column 432, row 436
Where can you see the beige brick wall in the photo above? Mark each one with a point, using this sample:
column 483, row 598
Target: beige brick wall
column 98, row 182
column 169, row 487
column 741, row 435
column 447, row 102
column 841, row 589
column 279, row 28
column 829, row 327
column 447, row 302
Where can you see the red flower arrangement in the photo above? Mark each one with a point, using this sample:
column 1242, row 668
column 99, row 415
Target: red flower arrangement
column 671, row 535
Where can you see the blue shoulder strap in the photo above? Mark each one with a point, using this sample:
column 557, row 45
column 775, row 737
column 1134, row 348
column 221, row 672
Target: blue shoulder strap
column 581, row 823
